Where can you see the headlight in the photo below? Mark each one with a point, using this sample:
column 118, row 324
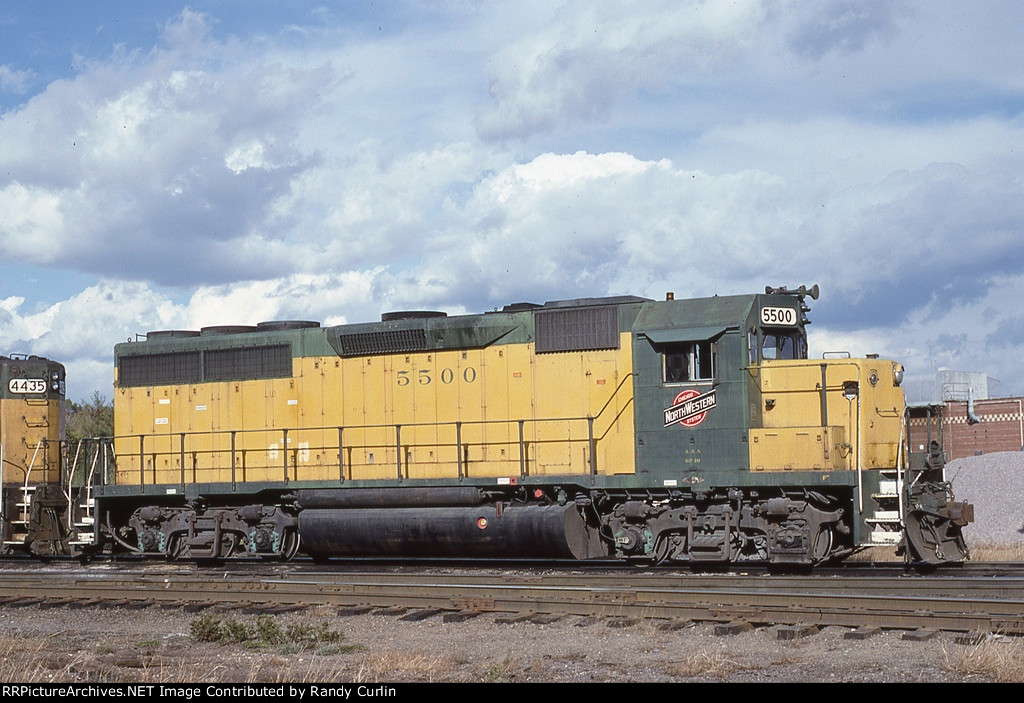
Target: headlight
column 897, row 374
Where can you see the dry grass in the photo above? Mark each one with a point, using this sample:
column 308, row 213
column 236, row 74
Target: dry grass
column 390, row 665
column 703, row 663
column 23, row 660
column 875, row 554
column 980, row 551
column 36, row 660
column 990, row 551
column 995, row 659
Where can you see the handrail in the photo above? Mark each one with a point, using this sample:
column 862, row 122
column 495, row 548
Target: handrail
column 289, row 462
column 32, row 463
column 377, row 426
column 71, row 478
column 231, row 445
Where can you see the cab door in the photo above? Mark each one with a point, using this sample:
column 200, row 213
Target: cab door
column 690, row 404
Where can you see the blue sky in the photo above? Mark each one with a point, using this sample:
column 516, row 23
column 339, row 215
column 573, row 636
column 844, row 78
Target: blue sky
column 172, row 166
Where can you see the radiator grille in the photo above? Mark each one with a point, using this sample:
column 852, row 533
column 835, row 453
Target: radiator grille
column 160, row 369
column 247, row 362
column 386, row 342
column 577, row 329
column 238, row 363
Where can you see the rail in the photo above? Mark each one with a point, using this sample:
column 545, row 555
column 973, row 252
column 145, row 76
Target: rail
column 956, row 604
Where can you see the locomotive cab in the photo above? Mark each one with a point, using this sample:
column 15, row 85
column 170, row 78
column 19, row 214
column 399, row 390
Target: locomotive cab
column 765, row 453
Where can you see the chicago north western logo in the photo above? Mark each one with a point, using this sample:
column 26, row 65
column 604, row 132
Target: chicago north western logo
column 690, row 408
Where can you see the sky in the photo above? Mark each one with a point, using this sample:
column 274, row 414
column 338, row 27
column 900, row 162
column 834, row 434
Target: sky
column 172, row 166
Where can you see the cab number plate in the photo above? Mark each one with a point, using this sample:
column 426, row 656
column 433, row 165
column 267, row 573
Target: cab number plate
column 27, row 385
column 778, row 316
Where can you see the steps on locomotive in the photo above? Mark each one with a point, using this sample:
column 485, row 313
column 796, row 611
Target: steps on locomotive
column 26, row 498
column 886, row 524
column 19, row 527
column 83, row 527
column 24, row 505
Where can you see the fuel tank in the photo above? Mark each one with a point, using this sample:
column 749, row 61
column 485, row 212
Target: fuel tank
column 546, row 532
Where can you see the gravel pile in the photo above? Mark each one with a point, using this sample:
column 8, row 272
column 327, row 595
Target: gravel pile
column 994, row 483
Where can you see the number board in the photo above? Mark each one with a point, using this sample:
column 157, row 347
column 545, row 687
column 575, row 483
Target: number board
column 27, row 385
column 773, row 317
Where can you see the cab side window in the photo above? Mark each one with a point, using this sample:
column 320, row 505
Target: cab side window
column 689, row 361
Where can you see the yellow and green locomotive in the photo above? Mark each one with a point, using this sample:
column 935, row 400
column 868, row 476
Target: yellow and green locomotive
column 34, row 488
column 683, row 430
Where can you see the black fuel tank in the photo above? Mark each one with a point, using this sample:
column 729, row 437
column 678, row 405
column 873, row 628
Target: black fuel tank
column 544, row 532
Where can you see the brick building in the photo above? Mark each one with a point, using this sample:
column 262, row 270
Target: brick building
column 999, row 427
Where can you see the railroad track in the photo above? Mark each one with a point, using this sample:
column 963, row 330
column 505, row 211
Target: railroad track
column 960, row 602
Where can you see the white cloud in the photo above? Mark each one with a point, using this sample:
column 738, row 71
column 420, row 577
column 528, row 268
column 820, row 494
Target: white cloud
column 326, row 298
column 25, row 212
column 586, row 59
column 13, row 80
column 250, row 155
column 162, row 158
column 188, row 32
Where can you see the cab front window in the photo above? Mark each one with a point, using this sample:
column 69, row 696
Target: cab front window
column 783, row 345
